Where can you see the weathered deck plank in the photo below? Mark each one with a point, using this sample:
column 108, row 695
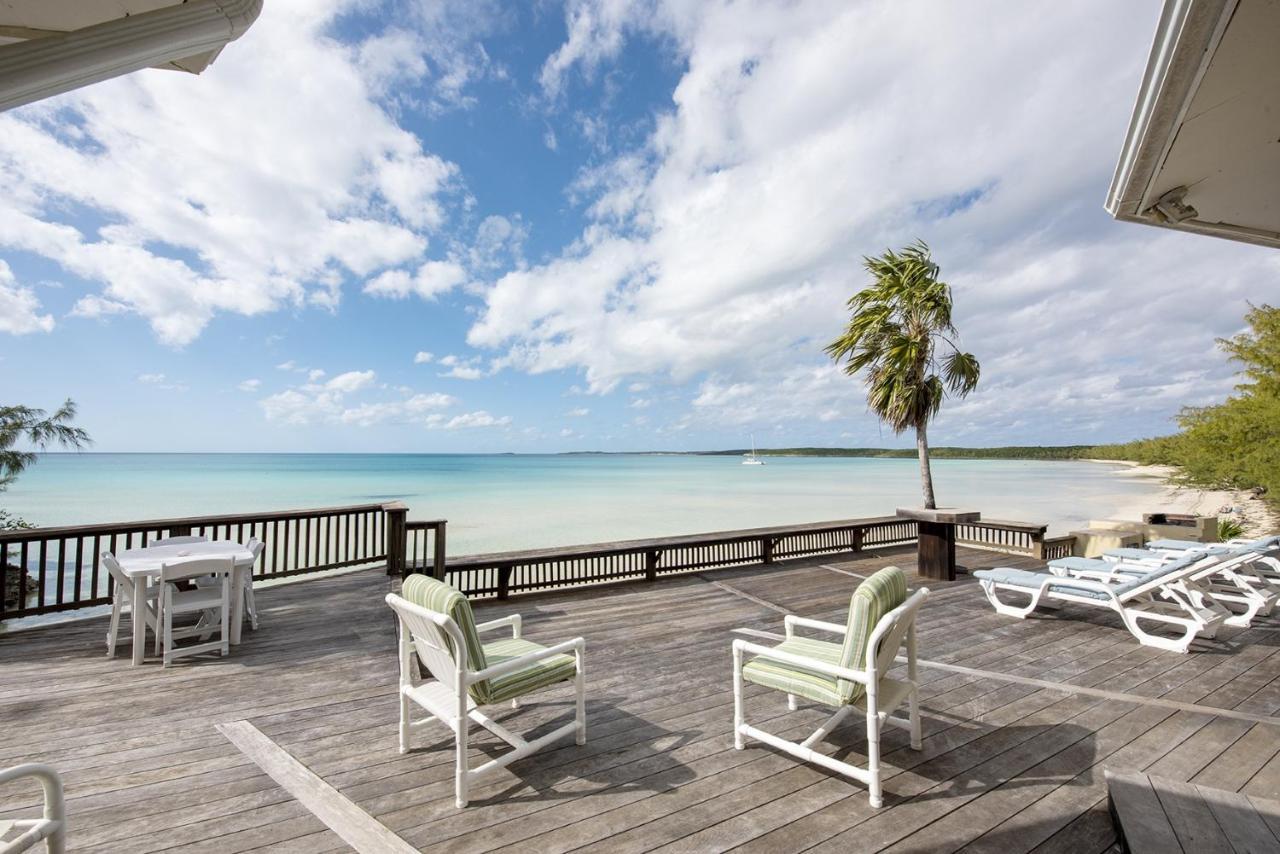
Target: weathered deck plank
column 1006, row 766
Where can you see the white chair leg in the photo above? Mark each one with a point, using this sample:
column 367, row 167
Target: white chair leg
column 913, row 700
column 580, row 711
column 155, row 630
column 873, row 756
column 792, row 703
column 168, row 625
column 250, row 606
column 113, row 630
column 738, row 718
column 460, row 773
column 404, row 722
column 226, row 616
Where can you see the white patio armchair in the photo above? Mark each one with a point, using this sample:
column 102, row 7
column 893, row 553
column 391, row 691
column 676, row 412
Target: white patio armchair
column 851, row 676
column 122, row 603
column 51, row 828
column 436, row 622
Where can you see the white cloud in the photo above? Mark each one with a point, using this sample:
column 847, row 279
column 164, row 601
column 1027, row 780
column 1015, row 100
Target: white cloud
column 328, row 402
column 578, row 412
column 315, row 374
column 567, row 433
column 467, row 420
column 350, row 381
column 161, row 382
column 95, row 306
column 721, row 251
column 422, row 357
column 431, row 279
column 462, row 369
column 151, row 379
column 290, row 365
column 19, row 307
column 240, row 191
column 640, row 403
column 250, row 385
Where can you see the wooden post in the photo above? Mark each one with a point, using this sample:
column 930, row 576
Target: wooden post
column 1037, row 544
column 504, row 580
column 397, row 538
column 855, row 542
column 651, row 565
column 438, row 560
column 766, row 549
column 936, row 539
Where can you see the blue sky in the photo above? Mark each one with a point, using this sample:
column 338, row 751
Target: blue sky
column 598, row 225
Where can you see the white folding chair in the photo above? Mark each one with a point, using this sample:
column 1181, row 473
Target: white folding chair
column 213, row 602
column 178, row 541
column 435, row 621
column 850, row 676
column 256, row 546
column 51, row 828
column 122, row 603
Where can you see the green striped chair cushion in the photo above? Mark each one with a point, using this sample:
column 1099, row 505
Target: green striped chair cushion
column 797, row 680
column 873, row 598
column 540, row 674
column 441, row 598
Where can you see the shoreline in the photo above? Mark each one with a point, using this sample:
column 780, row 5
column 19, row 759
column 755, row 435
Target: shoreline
column 1258, row 519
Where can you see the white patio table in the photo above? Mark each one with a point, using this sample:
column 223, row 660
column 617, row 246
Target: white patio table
column 143, row 566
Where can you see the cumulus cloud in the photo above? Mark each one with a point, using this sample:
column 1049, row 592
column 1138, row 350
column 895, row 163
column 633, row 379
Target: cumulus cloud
column 422, row 357
column 250, row 385
column 19, row 307
column 161, row 382
column 462, row 368
column 467, row 420
column 721, row 250
column 429, row 281
column 578, row 412
column 240, row 191
column 329, row 402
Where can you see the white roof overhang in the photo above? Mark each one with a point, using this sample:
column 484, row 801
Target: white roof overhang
column 1203, row 149
column 52, row 46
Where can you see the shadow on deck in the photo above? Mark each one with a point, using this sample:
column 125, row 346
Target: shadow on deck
column 1021, row 718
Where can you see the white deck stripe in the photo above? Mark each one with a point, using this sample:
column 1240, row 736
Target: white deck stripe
column 842, row 571
column 356, row 827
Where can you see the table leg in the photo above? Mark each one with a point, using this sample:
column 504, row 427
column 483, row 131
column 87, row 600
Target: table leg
column 139, row 618
column 237, row 602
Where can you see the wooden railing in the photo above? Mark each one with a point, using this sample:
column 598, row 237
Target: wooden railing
column 1053, row 548
column 1013, row 537
column 499, row 575
column 62, row 570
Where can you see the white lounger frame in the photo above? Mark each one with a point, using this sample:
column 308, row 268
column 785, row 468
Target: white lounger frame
column 883, row 694
column 51, row 827
column 432, row 636
column 1134, row 606
column 1232, row 581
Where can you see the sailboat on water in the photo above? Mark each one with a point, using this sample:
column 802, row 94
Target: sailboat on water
column 751, row 459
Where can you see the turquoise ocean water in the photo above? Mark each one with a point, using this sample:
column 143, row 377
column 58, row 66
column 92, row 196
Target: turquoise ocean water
column 500, row 502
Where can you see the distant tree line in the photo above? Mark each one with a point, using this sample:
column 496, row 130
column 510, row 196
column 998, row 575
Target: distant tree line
column 1235, row 444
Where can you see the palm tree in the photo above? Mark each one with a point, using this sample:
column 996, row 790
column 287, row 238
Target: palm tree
column 898, row 329
column 40, row 430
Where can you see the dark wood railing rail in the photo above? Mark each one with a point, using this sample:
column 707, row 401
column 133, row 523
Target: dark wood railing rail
column 499, row 575
column 62, row 569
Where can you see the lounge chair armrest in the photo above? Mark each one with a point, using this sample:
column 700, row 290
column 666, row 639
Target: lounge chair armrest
column 522, row 661
column 822, row 667
column 512, row 620
column 792, row 621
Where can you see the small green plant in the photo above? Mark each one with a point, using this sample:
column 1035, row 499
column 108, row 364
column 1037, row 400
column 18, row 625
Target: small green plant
column 1229, row 529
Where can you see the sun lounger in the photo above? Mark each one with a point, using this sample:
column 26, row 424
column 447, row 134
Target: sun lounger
column 1155, row 597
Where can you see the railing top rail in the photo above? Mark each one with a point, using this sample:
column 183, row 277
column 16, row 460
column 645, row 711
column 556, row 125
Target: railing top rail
column 425, row 523
column 562, row 552
column 71, row 531
column 1001, row 524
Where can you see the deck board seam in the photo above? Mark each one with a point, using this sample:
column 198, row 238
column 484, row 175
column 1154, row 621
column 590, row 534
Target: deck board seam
column 356, row 827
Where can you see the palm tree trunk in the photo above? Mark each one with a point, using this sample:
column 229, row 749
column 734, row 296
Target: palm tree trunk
column 926, row 475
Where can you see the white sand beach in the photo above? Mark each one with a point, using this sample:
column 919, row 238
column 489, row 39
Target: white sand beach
column 1254, row 514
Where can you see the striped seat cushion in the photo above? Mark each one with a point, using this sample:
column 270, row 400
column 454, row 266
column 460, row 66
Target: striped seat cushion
column 797, row 680
column 874, row 598
column 540, row 674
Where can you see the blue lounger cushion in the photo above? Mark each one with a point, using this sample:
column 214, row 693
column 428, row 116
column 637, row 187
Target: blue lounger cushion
column 1033, row 580
column 1175, row 545
column 1132, row 554
column 1086, row 564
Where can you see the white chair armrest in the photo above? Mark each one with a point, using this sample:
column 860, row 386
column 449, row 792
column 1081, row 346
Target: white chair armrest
column 804, row 622
column 512, row 620
column 522, row 661
column 822, row 667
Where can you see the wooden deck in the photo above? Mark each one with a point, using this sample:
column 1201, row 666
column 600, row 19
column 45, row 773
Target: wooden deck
column 1021, row 719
